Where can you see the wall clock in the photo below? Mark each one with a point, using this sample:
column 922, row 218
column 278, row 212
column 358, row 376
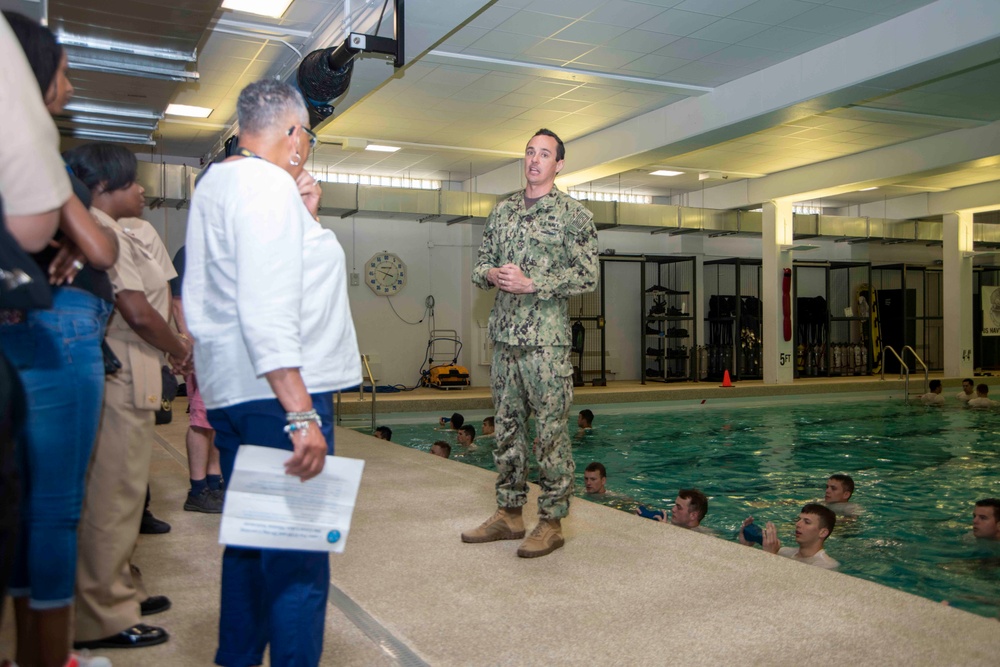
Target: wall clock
column 386, row 274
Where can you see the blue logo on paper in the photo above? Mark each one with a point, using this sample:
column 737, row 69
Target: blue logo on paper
column 333, row 536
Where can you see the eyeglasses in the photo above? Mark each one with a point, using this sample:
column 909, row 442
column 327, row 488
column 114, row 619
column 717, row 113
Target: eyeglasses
column 313, row 139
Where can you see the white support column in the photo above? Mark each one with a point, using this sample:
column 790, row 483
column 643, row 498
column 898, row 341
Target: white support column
column 778, row 354
column 957, row 230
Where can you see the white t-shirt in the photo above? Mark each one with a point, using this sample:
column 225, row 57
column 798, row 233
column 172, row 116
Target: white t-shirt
column 33, row 177
column 820, row 559
column 932, row 398
column 977, row 402
column 265, row 287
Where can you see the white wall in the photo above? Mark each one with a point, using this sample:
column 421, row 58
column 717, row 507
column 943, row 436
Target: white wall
column 438, row 259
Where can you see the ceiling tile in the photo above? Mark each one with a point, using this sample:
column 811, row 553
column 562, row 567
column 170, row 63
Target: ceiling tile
column 590, row 32
column 607, row 58
column 703, row 73
column 557, row 49
column 675, row 22
column 744, row 56
column 690, row 49
column 569, row 8
column 778, row 38
column 714, row 7
column 823, row 19
column 728, row 31
column 498, row 41
column 493, row 17
column 642, row 40
column 655, row 65
column 465, row 36
column 624, row 14
column 534, row 23
column 518, row 100
column 772, row 12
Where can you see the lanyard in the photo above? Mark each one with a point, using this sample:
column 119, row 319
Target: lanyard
column 246, row 152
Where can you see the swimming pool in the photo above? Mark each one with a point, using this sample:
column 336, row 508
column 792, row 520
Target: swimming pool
column 918, row 471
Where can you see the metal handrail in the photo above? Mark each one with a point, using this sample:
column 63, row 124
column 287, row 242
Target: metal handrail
column 366, row 376
column 921, row 362
column 904, row 369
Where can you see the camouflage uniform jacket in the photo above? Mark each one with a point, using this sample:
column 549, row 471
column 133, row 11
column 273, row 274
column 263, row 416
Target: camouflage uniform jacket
column 555, row 245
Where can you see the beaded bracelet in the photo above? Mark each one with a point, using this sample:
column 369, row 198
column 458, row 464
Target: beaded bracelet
column 309, row 415
column 299, row 421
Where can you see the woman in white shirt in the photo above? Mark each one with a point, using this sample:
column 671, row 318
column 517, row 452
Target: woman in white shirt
column 265, row 297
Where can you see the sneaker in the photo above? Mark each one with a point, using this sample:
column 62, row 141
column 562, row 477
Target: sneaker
column 208, row 501
column 151, row 525
column 505, row 524
column 544, row 539
column 654, row 352
column 657, row 289
column 84, row 659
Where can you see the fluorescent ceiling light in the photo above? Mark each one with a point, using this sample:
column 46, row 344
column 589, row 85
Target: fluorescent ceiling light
column 381, row 148
column 867, row 189
column 273, row 8
column 188, row 110
column 665, row 172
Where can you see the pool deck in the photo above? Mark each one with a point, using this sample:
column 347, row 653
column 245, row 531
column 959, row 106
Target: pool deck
column 427, row 399
column 624, row 590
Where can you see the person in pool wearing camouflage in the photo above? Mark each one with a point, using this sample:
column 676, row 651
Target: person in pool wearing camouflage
column 539, row 248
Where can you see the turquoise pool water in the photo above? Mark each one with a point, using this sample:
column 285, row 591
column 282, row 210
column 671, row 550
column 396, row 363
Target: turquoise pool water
column 918, row 472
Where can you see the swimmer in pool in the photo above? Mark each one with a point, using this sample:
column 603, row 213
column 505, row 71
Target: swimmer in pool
column 839, row 489
column 690, row 508
column 934, row 396
column 982, row 399
column 814, row 525
column 467, row 436
column 383, row 433
column 452, row 423
column 968, row 390
column 442, row 449
column 585, row 420
column 595, row 477
column 986, row 519
column 489, row 426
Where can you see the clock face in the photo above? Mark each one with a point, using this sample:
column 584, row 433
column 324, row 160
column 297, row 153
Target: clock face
column 386, row 274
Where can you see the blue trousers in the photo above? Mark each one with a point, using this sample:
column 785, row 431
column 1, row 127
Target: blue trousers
column 58, row 355
column 269, row 596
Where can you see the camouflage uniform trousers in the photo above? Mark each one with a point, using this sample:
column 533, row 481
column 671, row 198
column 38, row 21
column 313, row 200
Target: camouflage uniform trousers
column 537, row 380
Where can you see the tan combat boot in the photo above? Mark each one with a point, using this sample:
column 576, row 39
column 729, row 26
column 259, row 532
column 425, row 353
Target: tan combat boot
column 544, row 539
column 505, row 524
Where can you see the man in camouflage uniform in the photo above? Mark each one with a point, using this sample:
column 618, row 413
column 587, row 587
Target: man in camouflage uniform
column 539, row 248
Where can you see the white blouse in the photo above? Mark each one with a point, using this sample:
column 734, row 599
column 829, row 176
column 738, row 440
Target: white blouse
column 265, row 287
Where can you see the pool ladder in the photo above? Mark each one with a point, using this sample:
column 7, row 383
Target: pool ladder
column 366, row 376
column 904, row 372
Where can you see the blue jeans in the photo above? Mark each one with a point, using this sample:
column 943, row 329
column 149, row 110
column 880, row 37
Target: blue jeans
column 269, row 596
column 58, row 355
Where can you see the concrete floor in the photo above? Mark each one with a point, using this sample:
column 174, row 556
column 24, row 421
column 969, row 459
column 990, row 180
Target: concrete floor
column 623, row 590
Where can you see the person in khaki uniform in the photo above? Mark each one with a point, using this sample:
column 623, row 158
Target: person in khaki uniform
column 109, row 601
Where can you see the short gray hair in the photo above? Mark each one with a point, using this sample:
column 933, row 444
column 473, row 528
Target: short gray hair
column 263, row 104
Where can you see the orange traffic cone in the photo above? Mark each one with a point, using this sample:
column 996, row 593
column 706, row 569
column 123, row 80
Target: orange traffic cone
column 726, row 382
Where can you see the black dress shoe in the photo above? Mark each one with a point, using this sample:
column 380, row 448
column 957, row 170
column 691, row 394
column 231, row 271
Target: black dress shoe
column 138, row 636
column 154, row 605
column 152, row 526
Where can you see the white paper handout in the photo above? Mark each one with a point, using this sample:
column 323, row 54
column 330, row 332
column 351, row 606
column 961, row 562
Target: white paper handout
column 265, row 508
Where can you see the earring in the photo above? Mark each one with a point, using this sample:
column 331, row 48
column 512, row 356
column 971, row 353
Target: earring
column 296, row 160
